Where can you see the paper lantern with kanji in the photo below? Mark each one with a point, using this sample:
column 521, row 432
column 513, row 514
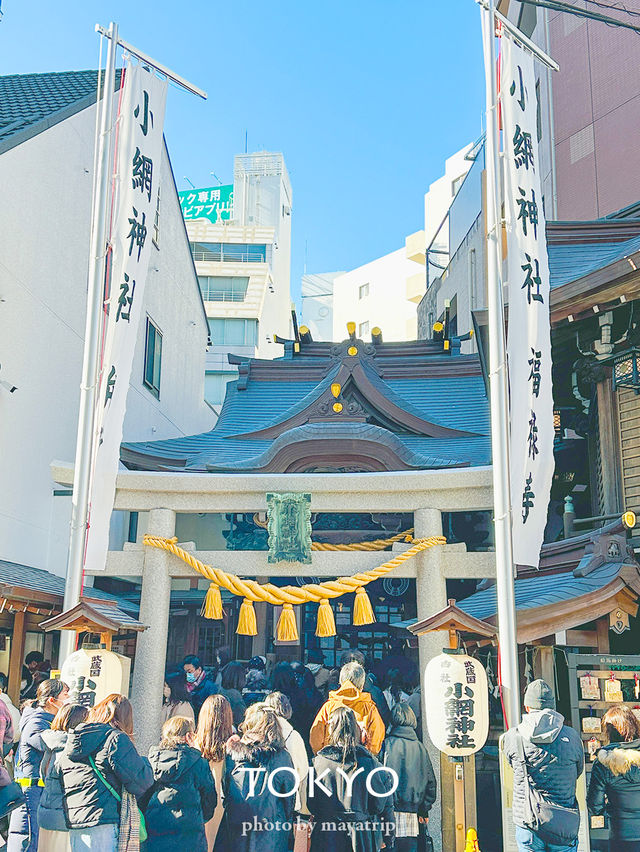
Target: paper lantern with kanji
column 91, row 675
column 456, row 701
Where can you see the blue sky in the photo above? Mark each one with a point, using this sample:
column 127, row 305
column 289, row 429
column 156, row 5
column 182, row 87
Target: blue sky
column 365, row 100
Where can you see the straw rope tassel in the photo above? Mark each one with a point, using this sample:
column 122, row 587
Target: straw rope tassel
column 287, row 624
column 247, row 625
column 252, row 591
column 326, row 623
column 212, row 606
column 362, row 609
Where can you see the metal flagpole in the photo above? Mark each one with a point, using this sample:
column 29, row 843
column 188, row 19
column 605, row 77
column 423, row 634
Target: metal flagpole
column 499, row 393
column 95, row 297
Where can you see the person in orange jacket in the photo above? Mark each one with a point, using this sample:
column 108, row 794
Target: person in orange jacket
column 350, row 694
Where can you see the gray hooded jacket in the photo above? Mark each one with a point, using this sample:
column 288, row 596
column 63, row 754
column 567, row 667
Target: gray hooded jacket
column 554, row 756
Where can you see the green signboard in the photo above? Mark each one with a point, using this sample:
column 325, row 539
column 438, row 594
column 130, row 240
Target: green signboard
column 214, row 203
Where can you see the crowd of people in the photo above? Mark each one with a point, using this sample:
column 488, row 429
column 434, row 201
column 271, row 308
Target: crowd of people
column 299, row 758
column 293, row 758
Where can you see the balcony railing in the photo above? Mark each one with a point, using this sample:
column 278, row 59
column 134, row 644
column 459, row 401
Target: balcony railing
column 220, row 296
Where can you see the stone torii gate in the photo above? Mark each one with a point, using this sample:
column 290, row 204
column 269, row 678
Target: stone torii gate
column 164, row 495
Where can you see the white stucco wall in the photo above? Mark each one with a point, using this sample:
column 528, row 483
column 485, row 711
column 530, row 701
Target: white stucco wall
column 385, row 305
column 316, row 301
column 45, row 211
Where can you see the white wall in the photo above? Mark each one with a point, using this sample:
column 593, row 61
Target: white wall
column 317, row 303
column 385, row 305
column 45, row 211
column 442, row 192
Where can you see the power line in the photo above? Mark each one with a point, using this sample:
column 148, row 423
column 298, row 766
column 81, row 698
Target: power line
column 557, row 6
column 613, row 8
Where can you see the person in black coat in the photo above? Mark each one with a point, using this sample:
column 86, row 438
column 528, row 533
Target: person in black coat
column 614, row 786
column 305, row 703
column 23, row 824
column 104, row 744
column 417, row 786
column 183, row 796
column 361, row 821
column 259, row 788
column 51, row 819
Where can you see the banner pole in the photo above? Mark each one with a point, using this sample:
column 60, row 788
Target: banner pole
column 95, row 298
column 498, row 386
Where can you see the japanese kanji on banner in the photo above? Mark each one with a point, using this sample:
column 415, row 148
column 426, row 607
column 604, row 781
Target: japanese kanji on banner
column 138, row 164
column 529, row 337
column 457, row 703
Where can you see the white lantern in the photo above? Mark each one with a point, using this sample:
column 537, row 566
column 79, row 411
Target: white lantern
column 456, row 700
column 91, row 675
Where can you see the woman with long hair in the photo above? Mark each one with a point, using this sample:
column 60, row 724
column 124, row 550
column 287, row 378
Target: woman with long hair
column 114, row 710
column 305, row 703
column 350, row 820
column 215, row 726
column 175, row 698
column 259, row 787
column 102, row 776
column 614, row 786
column 232, row 684
column 416, row 791
column 23, row 825
column 54, row 833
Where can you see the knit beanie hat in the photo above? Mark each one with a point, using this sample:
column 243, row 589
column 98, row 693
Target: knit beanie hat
column 538, row 696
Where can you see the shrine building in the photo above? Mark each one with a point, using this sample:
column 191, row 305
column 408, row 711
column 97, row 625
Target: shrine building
column 377, row 439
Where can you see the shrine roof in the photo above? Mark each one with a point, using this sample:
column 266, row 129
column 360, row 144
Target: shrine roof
column 403, row 406
column 604, row 574
column 27, row 579
column 531, row 592
column 31, row 103
column 577, row 249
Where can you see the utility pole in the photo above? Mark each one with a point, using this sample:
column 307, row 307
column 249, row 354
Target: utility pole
column 91, row 357
column 498, row 386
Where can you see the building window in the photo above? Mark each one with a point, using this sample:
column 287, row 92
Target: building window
column 231, row 331
column 215, row 386
column 156, row 223
column 152, row 358
column 230, row 252
column 223, row 288
column 363, row 291
column 456, row 184
column 363, row 329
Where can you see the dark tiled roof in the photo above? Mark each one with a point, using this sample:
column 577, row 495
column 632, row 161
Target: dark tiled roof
column 447, row 391
column 540, row 590
column 115, row 613
column 39, row 580
column 568, row 262
column 31, row 103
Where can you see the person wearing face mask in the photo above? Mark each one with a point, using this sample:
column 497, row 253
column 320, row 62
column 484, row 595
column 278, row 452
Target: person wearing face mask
column 23, row 826
column 200, row 684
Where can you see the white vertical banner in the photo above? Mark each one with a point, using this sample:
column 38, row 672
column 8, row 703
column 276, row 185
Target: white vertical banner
column 138, row 164
column 529, row 333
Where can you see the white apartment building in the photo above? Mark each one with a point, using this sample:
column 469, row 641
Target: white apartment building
column 385, row 292
column 375, row 295
column 436, row 206
column 243, row 264
column 47, row 127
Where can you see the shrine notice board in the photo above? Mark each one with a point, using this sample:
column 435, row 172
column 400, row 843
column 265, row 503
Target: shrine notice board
column 596, row 683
